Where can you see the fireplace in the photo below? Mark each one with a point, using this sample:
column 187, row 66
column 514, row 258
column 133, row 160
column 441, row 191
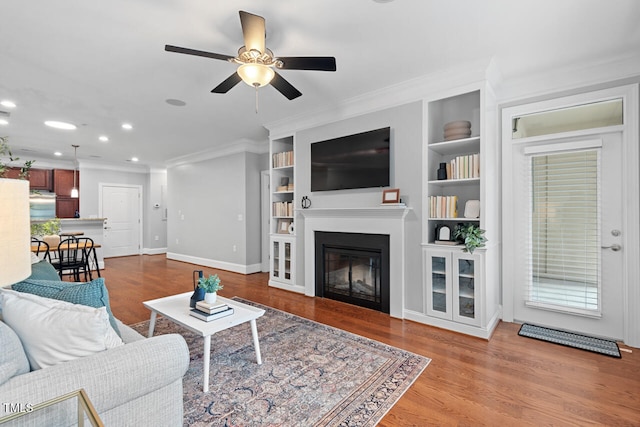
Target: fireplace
column 353, row 268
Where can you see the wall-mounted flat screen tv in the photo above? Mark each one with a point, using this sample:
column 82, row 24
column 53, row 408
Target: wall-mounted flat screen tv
column 355, row 161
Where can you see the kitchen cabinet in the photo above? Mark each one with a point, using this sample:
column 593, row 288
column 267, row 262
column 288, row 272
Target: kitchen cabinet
column 66, row 207
column 63, row 182
column 39, row 179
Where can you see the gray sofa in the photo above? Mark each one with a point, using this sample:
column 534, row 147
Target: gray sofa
column 139, row 383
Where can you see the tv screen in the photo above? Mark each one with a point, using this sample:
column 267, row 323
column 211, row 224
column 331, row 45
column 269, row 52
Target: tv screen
column 354, row 161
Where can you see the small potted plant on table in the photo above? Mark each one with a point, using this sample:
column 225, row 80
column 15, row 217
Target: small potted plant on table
column 211, row 285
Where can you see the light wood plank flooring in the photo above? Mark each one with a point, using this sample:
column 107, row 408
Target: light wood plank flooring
column 506, row 381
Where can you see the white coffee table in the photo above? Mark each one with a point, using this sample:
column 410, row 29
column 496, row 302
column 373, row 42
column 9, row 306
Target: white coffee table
column 176, row 308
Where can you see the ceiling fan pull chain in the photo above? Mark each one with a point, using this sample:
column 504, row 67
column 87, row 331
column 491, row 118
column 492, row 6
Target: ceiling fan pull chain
column 256, row 86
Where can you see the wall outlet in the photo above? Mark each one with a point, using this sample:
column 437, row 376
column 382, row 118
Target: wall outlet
column 235, row 248
column 177, row 242
column 240, row 217
column 157, row 238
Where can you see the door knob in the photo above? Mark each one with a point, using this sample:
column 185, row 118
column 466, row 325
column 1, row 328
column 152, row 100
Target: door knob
column 615, row 247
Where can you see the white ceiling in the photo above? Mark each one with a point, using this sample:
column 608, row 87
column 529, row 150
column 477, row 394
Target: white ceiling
column 98, row 64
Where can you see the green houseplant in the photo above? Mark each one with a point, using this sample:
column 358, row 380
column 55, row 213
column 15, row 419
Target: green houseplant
column 4, row 167
column 471, row 235
column 210, row 285
column 48, row 231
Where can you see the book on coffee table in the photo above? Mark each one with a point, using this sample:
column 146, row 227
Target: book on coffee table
column 209, row 317
column 211, row 308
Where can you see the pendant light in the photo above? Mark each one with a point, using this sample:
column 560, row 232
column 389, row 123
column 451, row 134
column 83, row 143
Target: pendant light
column 74, row 190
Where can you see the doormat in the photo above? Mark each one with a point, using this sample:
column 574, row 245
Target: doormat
column 583, row 342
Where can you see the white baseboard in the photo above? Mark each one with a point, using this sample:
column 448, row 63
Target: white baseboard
column 475, row 331
column 222, row 265
column 154, row 251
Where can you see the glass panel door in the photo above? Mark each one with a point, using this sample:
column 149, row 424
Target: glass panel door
column 466, row 288
column 276, row 259
column 287, row 260
column 438, row 284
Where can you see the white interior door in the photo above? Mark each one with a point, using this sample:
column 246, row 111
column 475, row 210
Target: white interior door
column 121, row 206
column 569, row 267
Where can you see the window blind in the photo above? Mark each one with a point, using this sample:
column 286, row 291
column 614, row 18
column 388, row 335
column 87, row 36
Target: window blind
column 564, row 230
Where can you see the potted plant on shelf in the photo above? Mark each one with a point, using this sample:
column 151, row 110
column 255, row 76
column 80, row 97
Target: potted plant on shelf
column 211, row 285
column 471, row 236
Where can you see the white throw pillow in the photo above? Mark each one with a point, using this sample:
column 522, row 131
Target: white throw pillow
column 55, row 331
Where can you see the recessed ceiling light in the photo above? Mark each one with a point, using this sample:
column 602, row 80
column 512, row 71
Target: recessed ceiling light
column 57, row 153
column 60, row 125
column 4, row 122
column 103, row 138
column 127, row 126
column 134, row 159
column 8, row 104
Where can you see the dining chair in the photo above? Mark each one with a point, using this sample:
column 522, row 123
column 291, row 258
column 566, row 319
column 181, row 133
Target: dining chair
column 89, row 257
column 70, row 259
column 42, row 247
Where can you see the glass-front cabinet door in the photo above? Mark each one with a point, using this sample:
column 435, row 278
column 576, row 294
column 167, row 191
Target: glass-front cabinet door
column 439, row 292
column 275, row 259
column 466, row 286
column 282, row 256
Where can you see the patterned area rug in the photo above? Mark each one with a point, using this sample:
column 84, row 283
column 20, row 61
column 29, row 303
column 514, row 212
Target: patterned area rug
column 596, row 345
column 311, row 374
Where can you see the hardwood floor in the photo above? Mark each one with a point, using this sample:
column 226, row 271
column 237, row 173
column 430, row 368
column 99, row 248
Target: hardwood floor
column 506, row 381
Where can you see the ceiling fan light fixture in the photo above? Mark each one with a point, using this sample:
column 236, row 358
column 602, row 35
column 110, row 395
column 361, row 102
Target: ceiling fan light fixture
column 256, row 75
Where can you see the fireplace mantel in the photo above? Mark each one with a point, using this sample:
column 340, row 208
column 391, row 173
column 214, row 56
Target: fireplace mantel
column 374, row 220
column 398, row 212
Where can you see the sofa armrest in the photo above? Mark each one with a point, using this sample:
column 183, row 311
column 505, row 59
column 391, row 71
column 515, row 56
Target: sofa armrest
column 110, row 378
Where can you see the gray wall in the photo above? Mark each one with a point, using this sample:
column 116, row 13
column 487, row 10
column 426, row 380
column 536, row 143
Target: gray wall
column 155, row 223
column 214, row 206
column 152, row 184
column 406, row 165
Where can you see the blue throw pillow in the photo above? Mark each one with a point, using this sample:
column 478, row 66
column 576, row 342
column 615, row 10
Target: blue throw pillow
column 43, row 271
column 92, row 294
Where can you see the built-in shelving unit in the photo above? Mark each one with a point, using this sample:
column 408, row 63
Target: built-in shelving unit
column 282, row 252
column 461, row 290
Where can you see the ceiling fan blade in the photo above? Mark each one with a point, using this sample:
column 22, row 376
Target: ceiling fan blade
column 177, row 49
column 318, row 63
column 226, row 85
column 284, row 87
column 253, row 30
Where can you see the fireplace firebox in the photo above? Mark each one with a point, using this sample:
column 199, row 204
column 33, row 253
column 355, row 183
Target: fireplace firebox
column 353, row 268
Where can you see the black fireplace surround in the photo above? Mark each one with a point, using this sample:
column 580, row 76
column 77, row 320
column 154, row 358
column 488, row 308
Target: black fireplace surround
column 353, row 268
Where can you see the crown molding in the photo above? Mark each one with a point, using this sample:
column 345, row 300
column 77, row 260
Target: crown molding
column 240, row 146
column 426, row 86
column 570, row 78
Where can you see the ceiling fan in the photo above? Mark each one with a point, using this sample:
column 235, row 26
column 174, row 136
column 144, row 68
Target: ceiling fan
column 257, row 63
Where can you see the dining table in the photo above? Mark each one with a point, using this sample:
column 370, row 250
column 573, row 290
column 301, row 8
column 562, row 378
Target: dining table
column 74, row 246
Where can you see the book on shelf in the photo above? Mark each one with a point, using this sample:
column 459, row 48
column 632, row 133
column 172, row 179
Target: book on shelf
column 464, row 167
column 443, row 207
column 209, row 317
column 282, row 209
column 282, row 159
column 205, row 307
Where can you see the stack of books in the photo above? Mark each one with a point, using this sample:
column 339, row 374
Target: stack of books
column 208, row 312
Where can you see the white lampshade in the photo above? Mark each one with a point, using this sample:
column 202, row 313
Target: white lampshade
column 15, row 233
column 256, row 74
